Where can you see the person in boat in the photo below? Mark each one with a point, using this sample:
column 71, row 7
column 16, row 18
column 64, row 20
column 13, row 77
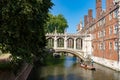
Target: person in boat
column 81, row 61
column 92, row 62
column 85, row 65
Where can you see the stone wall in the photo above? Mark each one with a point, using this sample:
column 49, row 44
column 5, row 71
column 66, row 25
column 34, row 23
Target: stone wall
column 108, row 63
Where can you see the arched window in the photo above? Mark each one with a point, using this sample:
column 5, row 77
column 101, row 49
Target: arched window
column 70, row 43
column 60, row 42
column 79, row 43
column 50, row 42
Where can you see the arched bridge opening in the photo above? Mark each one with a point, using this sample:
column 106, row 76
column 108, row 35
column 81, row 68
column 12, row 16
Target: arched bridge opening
column 77, row 54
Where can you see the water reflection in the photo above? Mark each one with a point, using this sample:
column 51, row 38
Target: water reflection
column 71, row 71
column 69, row 61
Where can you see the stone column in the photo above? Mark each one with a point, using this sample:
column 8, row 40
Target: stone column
column 74, row 43
column 65, row 42
column 55, row 42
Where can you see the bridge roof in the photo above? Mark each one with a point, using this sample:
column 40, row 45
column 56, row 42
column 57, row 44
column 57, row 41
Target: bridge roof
column 67, row 34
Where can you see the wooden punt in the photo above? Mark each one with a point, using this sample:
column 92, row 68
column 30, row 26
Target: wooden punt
column 87, row 67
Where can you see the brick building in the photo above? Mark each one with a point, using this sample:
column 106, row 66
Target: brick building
column 105, row 30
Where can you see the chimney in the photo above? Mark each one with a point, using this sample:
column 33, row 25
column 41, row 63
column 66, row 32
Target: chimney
column 85, row 20
column 109, row 4
column 98, row 8
column 90, row 16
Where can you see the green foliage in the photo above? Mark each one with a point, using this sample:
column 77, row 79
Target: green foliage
column 5, row 66
column 16, row 65
column 22, row 26
column 56, row 22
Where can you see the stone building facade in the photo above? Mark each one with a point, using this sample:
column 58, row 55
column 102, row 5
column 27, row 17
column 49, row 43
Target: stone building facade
column 105, row 30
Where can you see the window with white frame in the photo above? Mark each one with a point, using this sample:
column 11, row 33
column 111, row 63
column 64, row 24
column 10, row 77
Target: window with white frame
column 115, row 45
column 98, row 34
column 110, row 16
column 115, row 14
column 103, row 20
column 93, row 36
column 94, row 26
column 103, row 33
column 110, row 45
column 116, row 29
column 102, row 46
column 89, row 29
column 98, row 46
column 110, row 30
column 98, row 24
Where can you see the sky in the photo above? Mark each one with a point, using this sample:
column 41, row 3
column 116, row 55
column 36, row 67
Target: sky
column 74, row 11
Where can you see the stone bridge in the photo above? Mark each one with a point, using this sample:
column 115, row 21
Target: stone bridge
column 76, row 44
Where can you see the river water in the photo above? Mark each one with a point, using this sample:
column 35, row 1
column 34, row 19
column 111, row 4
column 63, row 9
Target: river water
column 70, row 70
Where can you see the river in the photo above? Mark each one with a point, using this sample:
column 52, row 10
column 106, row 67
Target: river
column 70, row 70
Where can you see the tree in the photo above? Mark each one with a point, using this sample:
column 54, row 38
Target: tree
column 56, row 22
column 22, row 26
